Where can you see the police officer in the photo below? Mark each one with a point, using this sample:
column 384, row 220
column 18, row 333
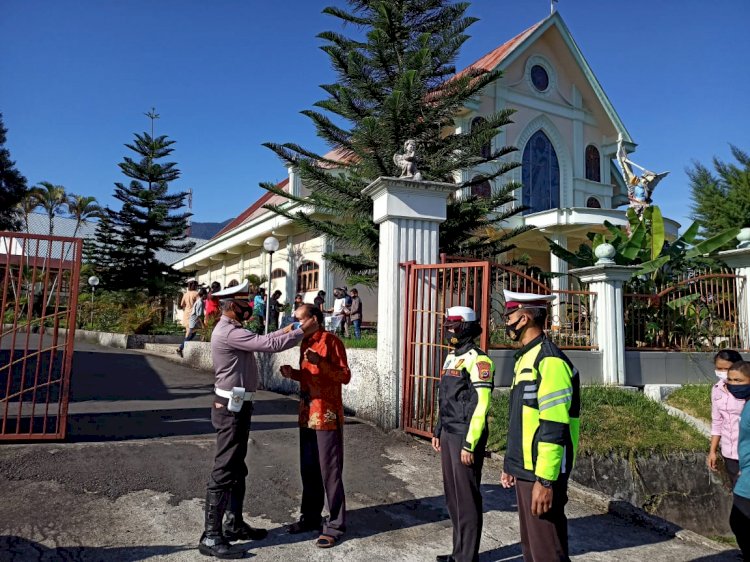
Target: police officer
column 232, row 351
column 461, row 433
column 543, row 431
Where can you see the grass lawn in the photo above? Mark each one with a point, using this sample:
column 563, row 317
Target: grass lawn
column 369, row 340
column 614, row 421
column 695, row 399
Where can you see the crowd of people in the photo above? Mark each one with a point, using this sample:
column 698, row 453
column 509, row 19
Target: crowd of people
column 200, row 308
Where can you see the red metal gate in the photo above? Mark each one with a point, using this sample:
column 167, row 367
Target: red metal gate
column 39, row 281
column 431, row 289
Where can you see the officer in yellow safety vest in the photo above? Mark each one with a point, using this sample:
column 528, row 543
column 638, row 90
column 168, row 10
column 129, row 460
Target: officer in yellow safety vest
column 461, row 433
column 543, row 432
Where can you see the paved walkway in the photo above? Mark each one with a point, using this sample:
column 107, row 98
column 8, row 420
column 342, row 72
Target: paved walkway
column 129, row 484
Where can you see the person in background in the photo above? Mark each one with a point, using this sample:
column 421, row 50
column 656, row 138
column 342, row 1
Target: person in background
column 259, row 308
column 212, row 302
column 338, row 321
column 274, row 309
column 187, row 302
column 738, row 385
column 725, row 417
column 322, row 372
column 355, row 313
column 298, row 301
column 320, row 301
column 347, row 311
column 195, row 320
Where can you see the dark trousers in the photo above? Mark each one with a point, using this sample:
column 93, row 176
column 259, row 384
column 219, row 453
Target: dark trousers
column 462, row 494
column 232, row 434
column 739, row 521
column 322, row 465
column 545, row 538
column 732, row 466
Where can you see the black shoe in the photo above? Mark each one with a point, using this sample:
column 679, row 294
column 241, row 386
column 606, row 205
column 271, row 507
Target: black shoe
column 244, row 532
column 179, row 352
column 218, row 547
column 303, row 526
column 445, row 558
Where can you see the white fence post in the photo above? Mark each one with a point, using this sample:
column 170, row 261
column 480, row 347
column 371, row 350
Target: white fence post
column 739, row 261
column 609, row 323
column 409, row 214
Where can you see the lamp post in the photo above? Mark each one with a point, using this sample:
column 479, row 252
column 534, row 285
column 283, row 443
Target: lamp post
column 270, row 245
column 93, row 281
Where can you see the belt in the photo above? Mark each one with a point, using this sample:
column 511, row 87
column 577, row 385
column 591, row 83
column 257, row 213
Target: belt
column 228, row 394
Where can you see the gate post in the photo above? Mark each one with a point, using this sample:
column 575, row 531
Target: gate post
column 739, row 261
column 606, row 281
column 409, row 214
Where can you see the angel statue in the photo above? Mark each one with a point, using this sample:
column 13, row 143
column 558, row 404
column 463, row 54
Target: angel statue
column 640, row 188
column 408, row 161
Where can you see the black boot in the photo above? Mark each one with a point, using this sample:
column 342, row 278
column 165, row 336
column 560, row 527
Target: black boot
column 212, row 542
column 235, row 528
column 445, row 558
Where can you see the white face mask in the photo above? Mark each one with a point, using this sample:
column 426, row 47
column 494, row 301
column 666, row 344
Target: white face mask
column 721, row 374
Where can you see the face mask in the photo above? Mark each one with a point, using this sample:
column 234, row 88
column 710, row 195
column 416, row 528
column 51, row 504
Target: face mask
column 512, row 331
column 721, row 374
column 739, row 391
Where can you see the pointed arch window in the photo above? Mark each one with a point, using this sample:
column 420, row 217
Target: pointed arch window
column 486, row 150
column 593, row 164
column 540, row 175
column 593, row 203
column 307, row 276
column 482, row 189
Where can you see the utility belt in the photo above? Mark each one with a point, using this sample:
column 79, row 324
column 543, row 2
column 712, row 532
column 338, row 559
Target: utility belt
column 237, row 396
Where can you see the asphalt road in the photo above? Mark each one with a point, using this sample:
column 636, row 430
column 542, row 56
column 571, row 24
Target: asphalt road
column 128, row 485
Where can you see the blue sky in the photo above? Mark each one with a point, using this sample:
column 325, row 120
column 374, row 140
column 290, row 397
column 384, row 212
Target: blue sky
column 226, row 76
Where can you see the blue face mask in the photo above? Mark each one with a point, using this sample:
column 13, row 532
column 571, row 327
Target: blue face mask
column 739, row 391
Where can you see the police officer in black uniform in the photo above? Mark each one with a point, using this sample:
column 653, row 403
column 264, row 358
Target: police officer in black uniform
column 461, row 432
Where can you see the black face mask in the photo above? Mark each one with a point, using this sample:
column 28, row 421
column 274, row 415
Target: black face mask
column 512, row 331
column 739, row 391
column 457, row 334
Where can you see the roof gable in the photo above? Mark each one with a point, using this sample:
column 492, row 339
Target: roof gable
column 252, row 211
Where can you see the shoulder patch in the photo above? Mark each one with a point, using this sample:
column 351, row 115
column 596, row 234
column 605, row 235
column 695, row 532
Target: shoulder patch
column 484, row 370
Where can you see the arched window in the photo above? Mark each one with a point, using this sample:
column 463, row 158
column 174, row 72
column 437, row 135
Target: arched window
column 540, row 175
column 483, row 189
column 307, row 277
column 486, row 150
column 593, row 203
column 593, row 169
column 278, row 274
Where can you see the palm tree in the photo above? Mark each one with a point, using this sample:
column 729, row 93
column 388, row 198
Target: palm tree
column 83, row 209
column 51, row 198
column 28, row 205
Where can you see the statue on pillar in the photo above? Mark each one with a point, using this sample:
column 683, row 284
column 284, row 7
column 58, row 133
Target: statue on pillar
column 408, row 161
column 640, row 188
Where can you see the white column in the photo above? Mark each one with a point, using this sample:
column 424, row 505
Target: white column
column 739, row 261
column 409, row 214
column 558, row 265
column 291, row 270
column 608, row 326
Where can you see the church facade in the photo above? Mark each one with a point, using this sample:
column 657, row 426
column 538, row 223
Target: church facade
column 566, row 132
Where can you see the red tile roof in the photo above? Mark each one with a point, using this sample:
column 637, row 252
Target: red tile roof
column 252, row 209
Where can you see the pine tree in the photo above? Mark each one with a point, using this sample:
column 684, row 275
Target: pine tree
column 721, row 200
column 148, row 221
column 397, row 81
column 13, row 187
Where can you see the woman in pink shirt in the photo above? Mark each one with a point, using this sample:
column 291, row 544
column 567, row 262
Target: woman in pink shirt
column 725, row 417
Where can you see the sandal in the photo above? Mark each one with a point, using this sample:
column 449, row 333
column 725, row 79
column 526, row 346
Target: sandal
column 326, row 541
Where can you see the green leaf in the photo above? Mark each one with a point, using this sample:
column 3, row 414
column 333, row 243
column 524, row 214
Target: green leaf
column 652, row 266
column 712, row 244
column 566, row 255
column 634, row 245
column 678, row 303
column 657, row 232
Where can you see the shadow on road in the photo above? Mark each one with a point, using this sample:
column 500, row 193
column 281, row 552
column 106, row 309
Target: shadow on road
column 18, row 549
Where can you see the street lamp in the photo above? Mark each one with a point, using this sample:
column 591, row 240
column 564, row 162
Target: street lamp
column 93, row 281
column 270, row 245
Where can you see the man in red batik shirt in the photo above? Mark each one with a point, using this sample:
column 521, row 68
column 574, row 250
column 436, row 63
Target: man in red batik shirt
column 323, row 369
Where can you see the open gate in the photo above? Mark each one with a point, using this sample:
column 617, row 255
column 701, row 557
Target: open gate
column 430, row 290
column 39, row 282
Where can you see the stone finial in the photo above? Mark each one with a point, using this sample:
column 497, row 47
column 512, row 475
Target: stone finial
column 744, row 238
column 605, row 252
column 408, row 161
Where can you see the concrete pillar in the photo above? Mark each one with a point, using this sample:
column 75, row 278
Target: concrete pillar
column 409, row 214
column 291, row 270
column 608, row 324
column 558, row 265
column 739, row 261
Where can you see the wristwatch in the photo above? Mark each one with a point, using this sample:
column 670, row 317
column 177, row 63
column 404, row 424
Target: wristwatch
column 544, row 482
